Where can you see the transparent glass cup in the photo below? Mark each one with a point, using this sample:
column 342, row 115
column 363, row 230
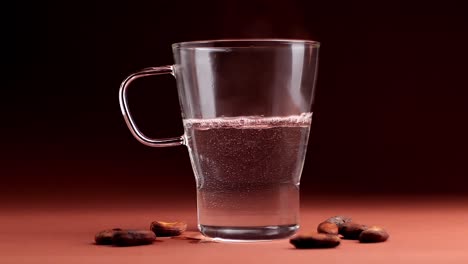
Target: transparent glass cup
column 246, row 109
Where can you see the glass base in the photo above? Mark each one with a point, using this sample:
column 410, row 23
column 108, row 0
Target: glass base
column 248, row 233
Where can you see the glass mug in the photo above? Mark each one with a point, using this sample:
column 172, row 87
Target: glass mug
column 246, row 110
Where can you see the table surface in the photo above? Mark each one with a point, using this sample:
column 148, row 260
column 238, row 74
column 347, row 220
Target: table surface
column 424, row 230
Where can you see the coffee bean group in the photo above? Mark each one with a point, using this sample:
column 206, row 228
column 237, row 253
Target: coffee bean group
column 329, row 232
column 129, row 237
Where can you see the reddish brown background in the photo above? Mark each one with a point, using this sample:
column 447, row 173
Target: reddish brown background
column 388, row 145
column 390, row 114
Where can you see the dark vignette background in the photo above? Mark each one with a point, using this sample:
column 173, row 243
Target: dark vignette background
column 390, row 115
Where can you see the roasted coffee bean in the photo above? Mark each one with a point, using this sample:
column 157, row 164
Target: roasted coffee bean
column 165, row 229
column 105, row 237
column 373, row 234
column 327, row 228
column 351, row 230
column 127, row 238
column 315, row 241
column 339, row 220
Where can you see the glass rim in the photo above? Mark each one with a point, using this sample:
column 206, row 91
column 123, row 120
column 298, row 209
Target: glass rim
column 237, row 43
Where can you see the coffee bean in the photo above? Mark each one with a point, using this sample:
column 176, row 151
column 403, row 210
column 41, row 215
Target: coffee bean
column 373, row 234
column 165, row 229
column 339, row 220
column 327, row 228
column 105, row 237
column 315, row 241
column 351, row 230
column 127, row 238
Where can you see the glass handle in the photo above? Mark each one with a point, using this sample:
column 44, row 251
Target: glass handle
column 123, row 100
